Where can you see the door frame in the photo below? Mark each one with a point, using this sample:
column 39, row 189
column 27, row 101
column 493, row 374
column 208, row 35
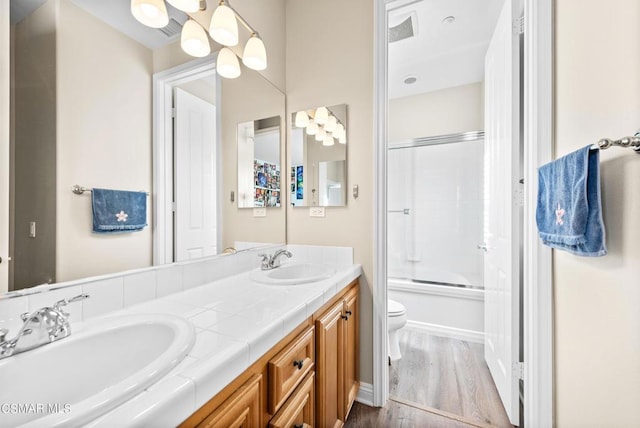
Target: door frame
column 163, row 162
column 5, row 118
column 537, row 268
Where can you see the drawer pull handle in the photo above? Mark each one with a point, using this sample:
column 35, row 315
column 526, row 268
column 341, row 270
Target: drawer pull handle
column 344, row 317
column 298, row 364
column 349, row 312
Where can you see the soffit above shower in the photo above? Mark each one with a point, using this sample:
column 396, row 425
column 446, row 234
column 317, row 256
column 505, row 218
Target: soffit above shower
column 117, row 14
column 439, row 54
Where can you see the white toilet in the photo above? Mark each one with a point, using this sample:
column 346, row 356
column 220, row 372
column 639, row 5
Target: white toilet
column 396, row 319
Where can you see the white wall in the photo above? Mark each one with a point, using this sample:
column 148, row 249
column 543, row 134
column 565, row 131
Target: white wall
column 597, row 300
column 345, row 29
column 447, row 111
column 103, row 139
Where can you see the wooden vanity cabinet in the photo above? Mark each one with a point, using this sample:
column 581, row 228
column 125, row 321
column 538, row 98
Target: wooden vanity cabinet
column 337, row 360
column 310, row 378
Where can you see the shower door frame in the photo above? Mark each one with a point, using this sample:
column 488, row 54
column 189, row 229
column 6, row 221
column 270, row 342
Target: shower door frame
column 538, row 149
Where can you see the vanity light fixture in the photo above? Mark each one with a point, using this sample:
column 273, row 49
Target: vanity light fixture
column 224, row 26
column 152, row 13
column 339, row 131
column 302, row 119
column 312, row 128
column 227, row 64
column 343, row 138
column 328, row 140
column 332, row 123
column 321, row 116
column 194, row 39
column 255, row 54
column 320, row 135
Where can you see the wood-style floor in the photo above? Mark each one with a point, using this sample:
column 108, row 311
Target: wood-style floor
column 439, row 382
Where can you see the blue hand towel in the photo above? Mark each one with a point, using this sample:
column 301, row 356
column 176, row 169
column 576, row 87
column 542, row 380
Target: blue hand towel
column 118, row 210
column 569, row 210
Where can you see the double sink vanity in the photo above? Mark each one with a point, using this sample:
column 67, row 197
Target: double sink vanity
column 248, row 346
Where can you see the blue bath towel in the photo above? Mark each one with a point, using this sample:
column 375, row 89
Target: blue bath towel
column 118, row 210
column 569, row 210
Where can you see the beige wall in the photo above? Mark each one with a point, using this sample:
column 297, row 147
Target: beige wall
column 104, row 139
column 447, row 111
column 330, row 61
column 597, row 300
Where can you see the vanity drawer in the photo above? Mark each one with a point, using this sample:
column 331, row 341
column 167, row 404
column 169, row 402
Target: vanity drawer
column 289, row 367
column 298, row 410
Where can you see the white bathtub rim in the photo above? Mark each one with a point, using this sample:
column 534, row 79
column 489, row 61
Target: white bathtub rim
column 435, row 290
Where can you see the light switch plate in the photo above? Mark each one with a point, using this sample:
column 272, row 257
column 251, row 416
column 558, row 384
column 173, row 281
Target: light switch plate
column 259, row 212
column 316, row 212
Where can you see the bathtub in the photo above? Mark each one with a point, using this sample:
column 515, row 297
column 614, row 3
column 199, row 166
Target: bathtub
column 443, row 310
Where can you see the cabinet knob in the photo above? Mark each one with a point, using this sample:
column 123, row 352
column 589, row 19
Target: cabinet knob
column 349, row 312
column 298, row 364
column 344, row 317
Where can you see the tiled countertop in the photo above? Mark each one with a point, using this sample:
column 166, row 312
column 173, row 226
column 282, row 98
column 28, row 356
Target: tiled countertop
column 236, row 320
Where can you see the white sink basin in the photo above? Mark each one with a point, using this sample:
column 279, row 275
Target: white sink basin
column 293, row 273
column 76, row 379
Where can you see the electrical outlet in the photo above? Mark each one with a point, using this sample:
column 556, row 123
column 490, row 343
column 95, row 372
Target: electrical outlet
column 259, row 212
column 316, row 212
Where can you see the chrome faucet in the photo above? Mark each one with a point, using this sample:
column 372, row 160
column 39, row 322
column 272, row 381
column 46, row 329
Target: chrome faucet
column 43, row 326
column 273, row 261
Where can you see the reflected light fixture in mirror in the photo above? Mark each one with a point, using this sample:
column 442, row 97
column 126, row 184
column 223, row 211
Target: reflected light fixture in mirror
column 321, row 116
column 227, row 64
column 302, row 119
column 321, row 134
column 152, row 13
column 312, row 127
column 223, row 28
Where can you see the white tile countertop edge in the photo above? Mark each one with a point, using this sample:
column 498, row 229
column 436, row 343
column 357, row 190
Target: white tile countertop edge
column 237, row 320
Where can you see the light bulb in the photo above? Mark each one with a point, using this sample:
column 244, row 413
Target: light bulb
column 320, row 134
column 224, row 27
column 255, row 55
column 152, row 13
column 328, row 140
column 186, row 5
column 331, row 123
column 302, row 119
column 322, row 115
column 312, row 128
column 194, row 39
column 227, row 64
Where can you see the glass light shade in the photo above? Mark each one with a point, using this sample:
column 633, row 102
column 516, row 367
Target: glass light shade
column 312, row 128
column 331, row 124
column 321, row 134
column 194, row 39
column 342, row 139
column 227, row 64
column 255, row 55
column 339, row 131
column 322, row 115
column 152, row 13
column 224, row 27
column 186, row 5
column 302, row 119
column 328, row 140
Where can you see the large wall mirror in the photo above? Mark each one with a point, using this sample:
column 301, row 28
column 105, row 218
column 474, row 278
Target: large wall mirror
column 318, row 157
column 82, row 112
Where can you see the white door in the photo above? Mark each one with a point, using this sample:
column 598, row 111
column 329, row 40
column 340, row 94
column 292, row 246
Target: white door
column 4, row 145
column 195, row 177
column 501, row 219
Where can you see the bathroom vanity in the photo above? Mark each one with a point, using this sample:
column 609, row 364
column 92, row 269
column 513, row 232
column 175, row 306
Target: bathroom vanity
column 309, row 378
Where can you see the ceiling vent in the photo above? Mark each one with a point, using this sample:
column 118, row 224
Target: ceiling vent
column 404, row 30
column 173, row 28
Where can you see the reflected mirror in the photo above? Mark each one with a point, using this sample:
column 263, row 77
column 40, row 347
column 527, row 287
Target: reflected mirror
column 82, row 112
column 259, row 163
column 318, row 153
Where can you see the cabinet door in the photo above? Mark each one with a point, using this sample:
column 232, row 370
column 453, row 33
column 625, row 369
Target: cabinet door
column 241, row 410
column 351, row 347
column 329, row 368
column 298, row 410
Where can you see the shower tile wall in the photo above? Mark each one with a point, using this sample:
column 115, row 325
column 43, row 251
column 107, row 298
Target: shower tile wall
column 441, row 185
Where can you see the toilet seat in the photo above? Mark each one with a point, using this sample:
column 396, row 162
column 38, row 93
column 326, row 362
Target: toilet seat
column 395, row 309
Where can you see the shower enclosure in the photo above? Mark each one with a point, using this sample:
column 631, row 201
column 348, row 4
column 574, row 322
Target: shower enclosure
column 435, row 226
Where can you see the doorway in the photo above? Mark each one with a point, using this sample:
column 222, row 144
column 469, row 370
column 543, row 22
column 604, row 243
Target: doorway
column 187, row 162
column 537, row 119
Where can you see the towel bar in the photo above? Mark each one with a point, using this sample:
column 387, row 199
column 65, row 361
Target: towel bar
column 79, row 190
column 633, row 142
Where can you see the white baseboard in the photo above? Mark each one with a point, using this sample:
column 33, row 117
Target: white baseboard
column 446, row 331
column 365, row 394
